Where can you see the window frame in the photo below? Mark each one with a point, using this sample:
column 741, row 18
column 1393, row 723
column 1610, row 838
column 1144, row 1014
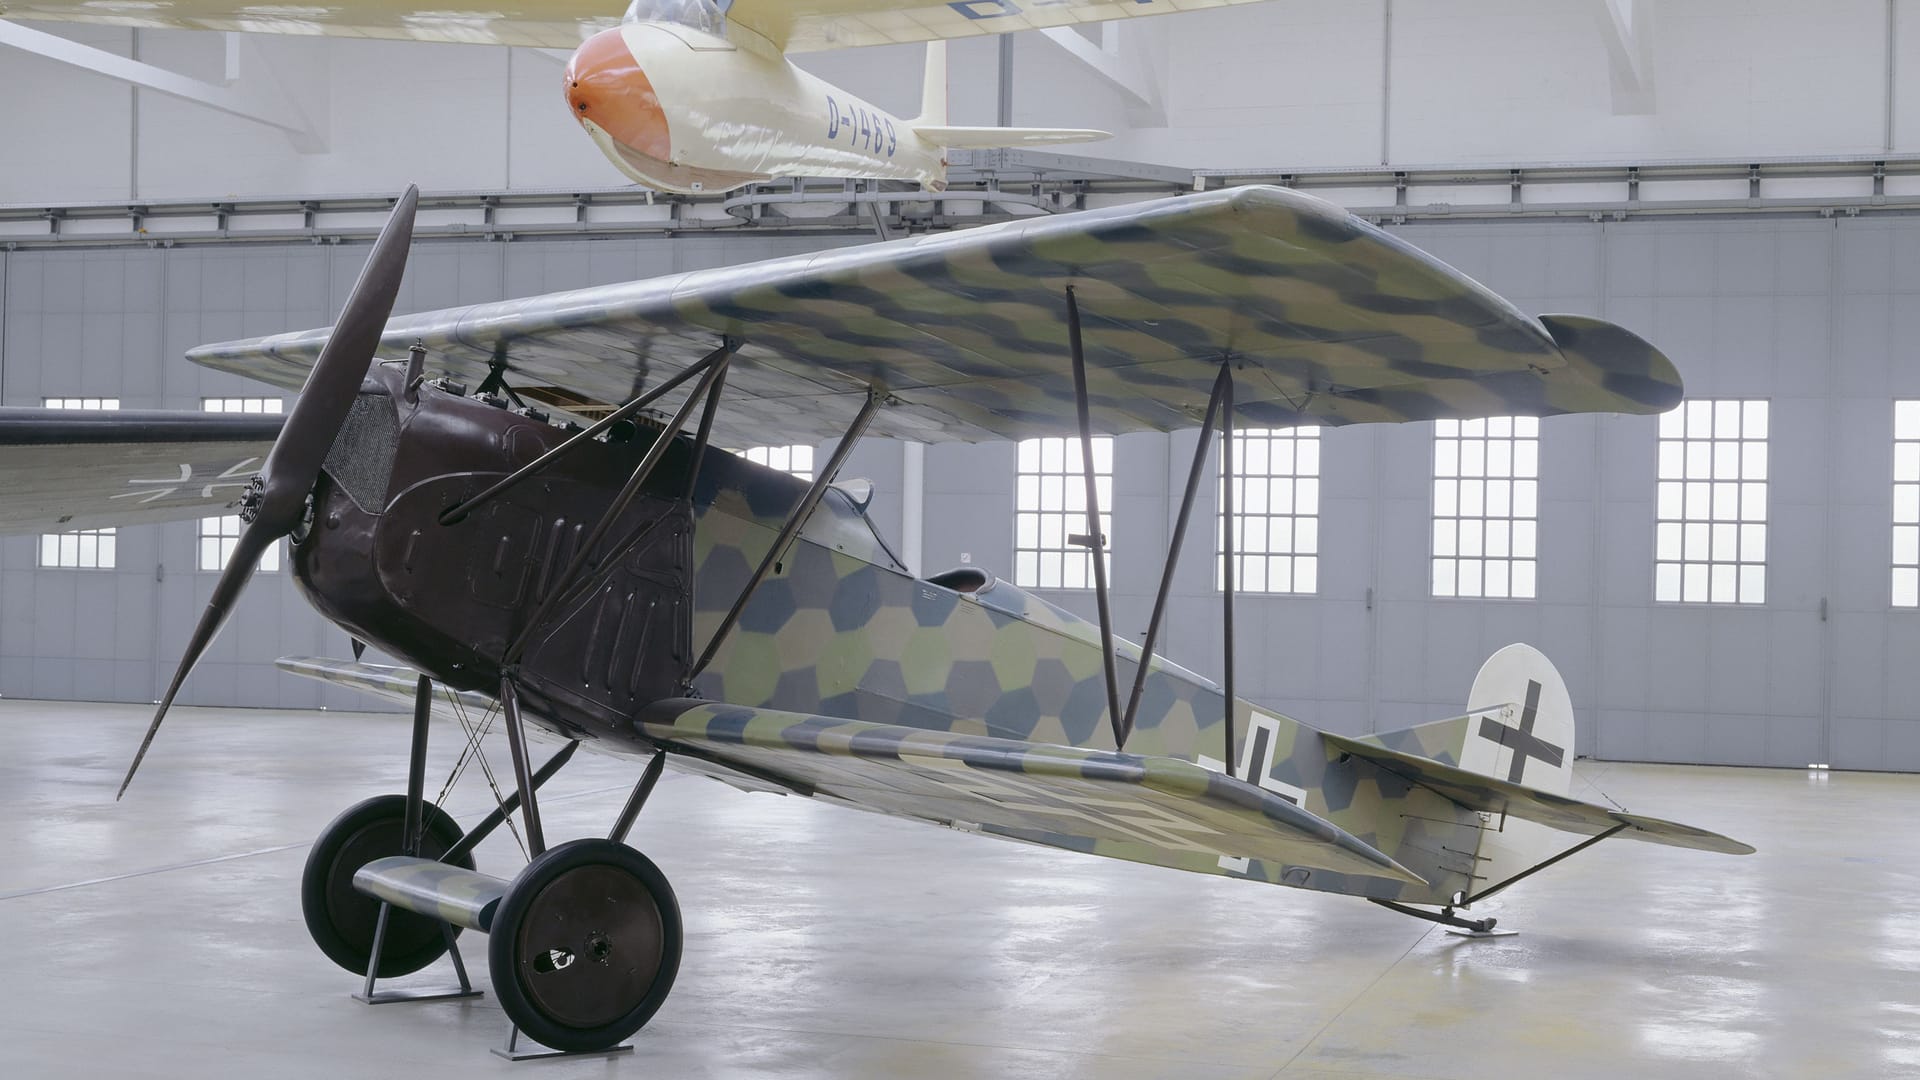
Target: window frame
column 107, row 536
column 1267, row 442
column 1710, row 410
column 766, row 455
column 1906, row 418
column 213, row 529
column 1070, row 516
column 1518, row 437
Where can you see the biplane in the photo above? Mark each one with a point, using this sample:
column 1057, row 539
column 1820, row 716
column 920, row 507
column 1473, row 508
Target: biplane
column 628, row 586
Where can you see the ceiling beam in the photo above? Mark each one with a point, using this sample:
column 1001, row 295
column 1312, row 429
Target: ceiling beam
column 263, row 108
column 1626, row 26
column 1121, row 67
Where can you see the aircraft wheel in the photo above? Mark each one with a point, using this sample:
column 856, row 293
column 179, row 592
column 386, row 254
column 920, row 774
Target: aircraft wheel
column 585, row 945
column 342, row 918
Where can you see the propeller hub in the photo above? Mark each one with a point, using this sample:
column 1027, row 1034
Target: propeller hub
column 252, row 498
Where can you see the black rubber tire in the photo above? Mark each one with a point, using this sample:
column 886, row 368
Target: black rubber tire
column 608, row 916
column 341, row 918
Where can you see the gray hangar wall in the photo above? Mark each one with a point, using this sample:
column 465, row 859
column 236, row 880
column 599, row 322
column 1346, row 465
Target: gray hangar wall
column 1813, row 315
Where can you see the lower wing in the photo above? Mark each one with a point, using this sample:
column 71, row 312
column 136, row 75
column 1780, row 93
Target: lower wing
column 1157, row 810
column 1162, row 811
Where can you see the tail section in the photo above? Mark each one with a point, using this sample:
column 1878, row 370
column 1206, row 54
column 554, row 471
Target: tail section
column 1519, row 729
column 932, row 125
column 1520, row 722
column 933, row 89
column 1510, row 760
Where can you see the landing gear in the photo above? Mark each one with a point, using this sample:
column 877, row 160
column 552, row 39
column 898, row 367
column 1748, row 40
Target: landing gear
column 343, row 919
column 585, row 945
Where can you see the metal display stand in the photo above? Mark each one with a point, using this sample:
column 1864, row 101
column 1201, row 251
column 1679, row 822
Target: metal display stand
column 512, row 1052
column 370, row 996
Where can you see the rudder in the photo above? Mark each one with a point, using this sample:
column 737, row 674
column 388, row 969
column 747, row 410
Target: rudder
column 1520, row 729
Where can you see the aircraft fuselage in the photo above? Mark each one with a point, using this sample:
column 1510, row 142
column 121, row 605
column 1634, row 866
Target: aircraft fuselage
column 683, row 110
column 841, row 628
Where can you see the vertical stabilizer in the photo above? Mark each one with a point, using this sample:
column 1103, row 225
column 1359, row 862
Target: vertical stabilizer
column 1520, row 730
column 933, row 89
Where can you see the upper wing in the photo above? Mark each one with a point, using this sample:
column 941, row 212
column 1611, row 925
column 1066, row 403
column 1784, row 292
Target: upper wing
column 555, row 24
column 74, row 469
column 808, row 25
column 1327, row 319
column 1495, row 796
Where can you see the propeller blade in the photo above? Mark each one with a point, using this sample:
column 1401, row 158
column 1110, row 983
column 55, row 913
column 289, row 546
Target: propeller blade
column 314, row 422
column 246, row 555
column 359, row 648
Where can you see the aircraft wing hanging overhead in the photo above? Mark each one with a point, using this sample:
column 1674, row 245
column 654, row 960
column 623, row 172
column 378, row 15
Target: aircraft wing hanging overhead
column 1328, row 319
column 794, row 25
column 80, row 469
column 551, row 24
column 810, row 25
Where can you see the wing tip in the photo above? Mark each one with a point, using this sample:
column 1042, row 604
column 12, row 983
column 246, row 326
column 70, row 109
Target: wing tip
column 1641, row 376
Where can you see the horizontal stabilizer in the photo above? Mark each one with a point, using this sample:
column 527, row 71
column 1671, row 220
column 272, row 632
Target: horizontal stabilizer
column 1494, row 796
column 988, row 138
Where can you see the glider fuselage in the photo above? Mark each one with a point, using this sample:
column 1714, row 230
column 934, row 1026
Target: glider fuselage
column 682, row 109
column 840, row 628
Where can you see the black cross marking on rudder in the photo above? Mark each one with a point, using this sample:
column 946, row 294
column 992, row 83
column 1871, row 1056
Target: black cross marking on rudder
column 1521, row 740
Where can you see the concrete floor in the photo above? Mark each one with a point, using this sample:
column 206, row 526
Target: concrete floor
column 162, row 936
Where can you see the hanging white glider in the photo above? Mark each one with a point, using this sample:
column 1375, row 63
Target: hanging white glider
column 691, row 95
column 677, row 105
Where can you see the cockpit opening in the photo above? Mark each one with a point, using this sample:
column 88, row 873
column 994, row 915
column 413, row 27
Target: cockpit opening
column 705, row 16
column 965, row 579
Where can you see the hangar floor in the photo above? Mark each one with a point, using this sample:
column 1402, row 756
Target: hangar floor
column 162, row 936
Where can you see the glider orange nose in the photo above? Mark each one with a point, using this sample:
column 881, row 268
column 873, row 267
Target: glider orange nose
column 605, row 85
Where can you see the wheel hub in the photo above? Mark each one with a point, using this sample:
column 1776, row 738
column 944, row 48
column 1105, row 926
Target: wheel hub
column 594, row 913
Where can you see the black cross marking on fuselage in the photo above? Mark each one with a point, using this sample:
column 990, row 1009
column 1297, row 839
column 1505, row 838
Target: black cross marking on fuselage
column 1521, row 740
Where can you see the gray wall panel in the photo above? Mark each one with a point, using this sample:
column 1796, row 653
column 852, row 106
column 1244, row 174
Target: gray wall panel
column 1813, row 315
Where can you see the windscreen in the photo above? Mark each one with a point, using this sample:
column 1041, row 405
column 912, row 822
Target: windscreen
column 702, row 15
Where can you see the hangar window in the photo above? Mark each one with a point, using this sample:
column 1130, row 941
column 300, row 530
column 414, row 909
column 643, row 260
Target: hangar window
column 218, row 535
column 1276, row 511
column 1486, row 507
column 796, row 459
column 1906, row 504
column 80, row 549
column 1710, row 541
column 1050, row 505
